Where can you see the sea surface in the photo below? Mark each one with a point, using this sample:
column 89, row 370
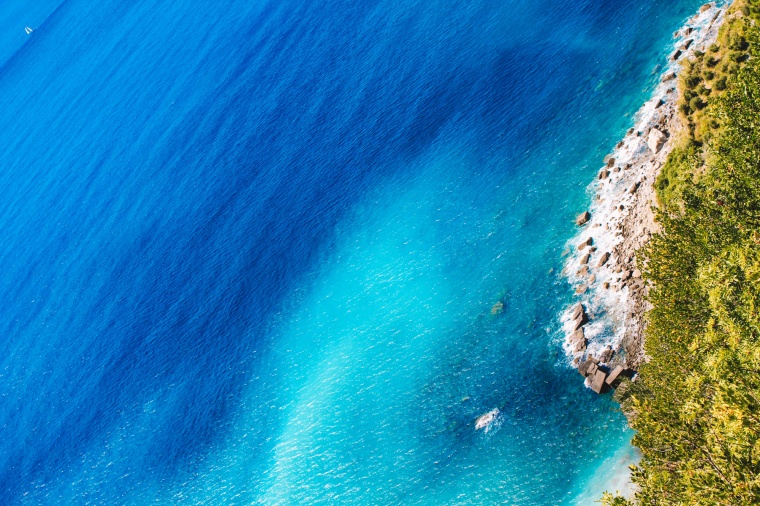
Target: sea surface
column 249, row 249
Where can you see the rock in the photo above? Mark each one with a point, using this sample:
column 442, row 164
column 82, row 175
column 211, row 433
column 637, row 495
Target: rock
column 610, row 163
column 581, row 290
column 579, row 310
column 579, row 346
column 627, row 275
column 606, row 355
column 636, row 273
column 485, row 421
column 578, row 335
column 592, row 249
column 659, row 104
column 597, row 383
column 606, row 285
column 705, row 7
column 676, row 55
column 497, row 308
column 656, row 140
column 583, row 218
column 632, row 190
column 580, row 321
column 583, row 271
column 617, row 371
column 604, row 174
column 585, row 259
column 587, row 242
column 603, row 260
column 587, row 368
column 620, row 144
column 687, row 44
column 591, row 280
column 687, row 31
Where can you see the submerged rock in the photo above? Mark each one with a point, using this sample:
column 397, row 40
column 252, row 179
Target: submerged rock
column 497, row 308
column 485, row 421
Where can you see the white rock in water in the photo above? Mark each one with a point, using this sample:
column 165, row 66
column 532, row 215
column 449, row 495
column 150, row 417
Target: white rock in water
column 656, row 140
column 484, row 421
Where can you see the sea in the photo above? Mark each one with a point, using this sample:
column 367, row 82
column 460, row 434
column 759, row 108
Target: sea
column 283, row 252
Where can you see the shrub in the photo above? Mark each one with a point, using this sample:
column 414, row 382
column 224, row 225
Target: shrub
column 692, row 80
column 709, row 75
column 720, row 84
column 696, row 104
column 714, row 48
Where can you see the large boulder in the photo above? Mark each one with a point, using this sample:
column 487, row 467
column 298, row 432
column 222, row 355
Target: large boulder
column 583, row 218
column 617, row 371
column 588, row 368
column 580, row 321
column 587, row 242
column 605, row 257
column 597, row 382
column 656, row 140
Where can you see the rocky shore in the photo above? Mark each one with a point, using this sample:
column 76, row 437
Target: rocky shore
column 604, row 327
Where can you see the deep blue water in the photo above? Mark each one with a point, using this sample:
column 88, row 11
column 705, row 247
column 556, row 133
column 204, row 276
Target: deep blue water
column 248, row 250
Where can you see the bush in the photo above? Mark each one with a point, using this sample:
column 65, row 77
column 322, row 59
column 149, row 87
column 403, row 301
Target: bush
column 714, row 48
column 711, row 61
column 696, row 104
column 709, row 75
column 692, row 80
column 720, row 84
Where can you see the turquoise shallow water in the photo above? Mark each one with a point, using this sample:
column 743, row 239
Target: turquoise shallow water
column 250, row 250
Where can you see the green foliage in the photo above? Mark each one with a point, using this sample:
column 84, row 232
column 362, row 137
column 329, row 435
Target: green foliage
column 696, row 404
column 614, row 500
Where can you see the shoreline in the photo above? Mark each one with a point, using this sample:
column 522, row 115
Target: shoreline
column 605, row 324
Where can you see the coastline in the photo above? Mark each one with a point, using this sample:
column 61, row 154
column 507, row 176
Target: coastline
column 604, row 326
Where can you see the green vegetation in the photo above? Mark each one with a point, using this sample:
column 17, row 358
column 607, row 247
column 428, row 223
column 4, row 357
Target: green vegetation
column 706, row 75
column 696, row 404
